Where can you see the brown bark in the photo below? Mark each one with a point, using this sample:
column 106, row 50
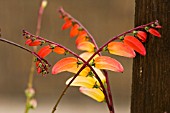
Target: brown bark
column 151, row 74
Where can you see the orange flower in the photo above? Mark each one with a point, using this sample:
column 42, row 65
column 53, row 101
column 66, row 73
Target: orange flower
column 81, row 38
column 59, row 50
column 86, row 46
column 67, row 24
column 154, row 32
column 44, row 51
column 105, row 62
column 119, row 48
column 141, row 35
column 135, row 44
column 35, row 42
column 66, row 64
column 74, row 30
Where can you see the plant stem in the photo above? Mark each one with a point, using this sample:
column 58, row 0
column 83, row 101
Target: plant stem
column 32, row 69
column 26, row 49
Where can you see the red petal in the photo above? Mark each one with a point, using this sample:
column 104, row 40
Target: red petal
column 27, row 42
column 36, row 42
column 74, row 30
column 59, row 50
column 141, row 35
column 121, row 49
column 154, row 32
column 158, row 26
column 43, row 52
column 135, row 44
column 67, row 25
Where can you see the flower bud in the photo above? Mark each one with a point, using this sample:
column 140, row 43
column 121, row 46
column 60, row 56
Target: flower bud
column 30, row 92
column 32, row 103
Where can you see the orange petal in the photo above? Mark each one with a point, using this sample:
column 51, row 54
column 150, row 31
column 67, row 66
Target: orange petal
column 66, row 64
column 82, row 32
column 81, row 38
column 105, row 62
column 74, row 30
column 86, row 46
column 67, row 24
column 154, row 32
column 135, row 44
column 59, row 50
column 94, row 93
column 44, row 51
column 141, row 35
column 119, row 48
column 88, row 82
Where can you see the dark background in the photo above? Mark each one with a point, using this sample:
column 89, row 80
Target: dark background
column 103, row 18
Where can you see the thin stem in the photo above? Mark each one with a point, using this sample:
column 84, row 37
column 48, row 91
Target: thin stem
column 32, row 69
column 26, row 49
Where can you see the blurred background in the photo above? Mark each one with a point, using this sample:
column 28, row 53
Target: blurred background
column 103, row 18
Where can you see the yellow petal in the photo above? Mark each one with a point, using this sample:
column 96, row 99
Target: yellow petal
column 105, row 62
column 86, row 46
column 94, row 93
column 88, row 82
column 100, row 74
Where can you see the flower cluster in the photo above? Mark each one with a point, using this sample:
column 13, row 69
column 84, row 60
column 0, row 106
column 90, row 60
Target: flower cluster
column 88, row 66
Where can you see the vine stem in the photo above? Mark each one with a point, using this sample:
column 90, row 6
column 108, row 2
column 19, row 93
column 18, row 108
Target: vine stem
column 26, row 49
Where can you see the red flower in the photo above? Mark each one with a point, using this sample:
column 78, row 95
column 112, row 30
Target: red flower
column 141, row 35
column 43, row 52
column 35, row 42
column 74, row 30
column 154, row 32
column 67, row 24
column 135, row 44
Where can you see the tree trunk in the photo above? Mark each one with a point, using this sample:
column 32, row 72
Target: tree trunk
column 151, row 74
